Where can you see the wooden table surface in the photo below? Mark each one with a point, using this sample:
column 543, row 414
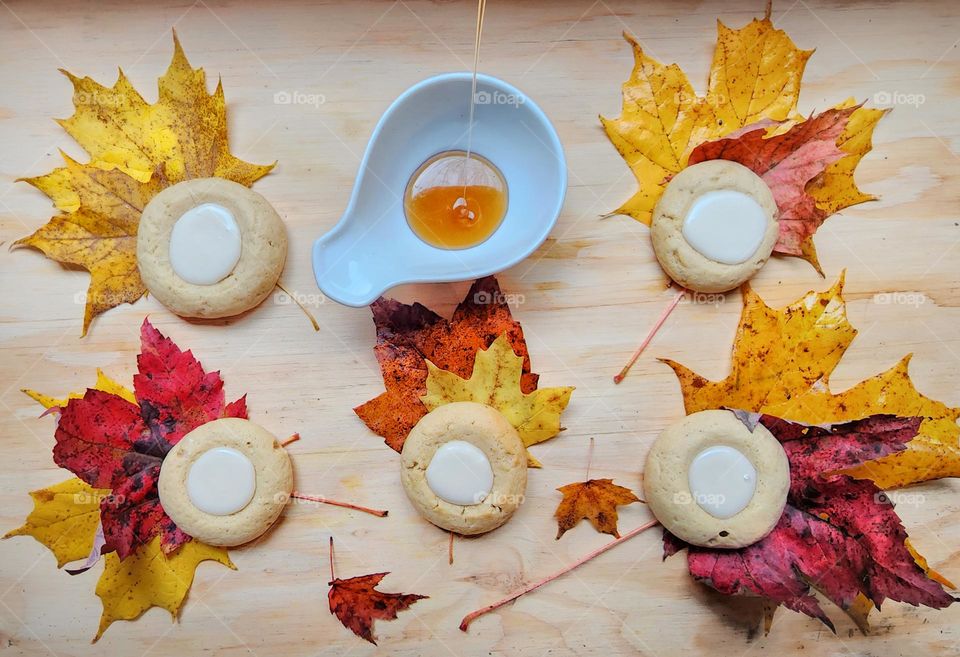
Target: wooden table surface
column 585, row 298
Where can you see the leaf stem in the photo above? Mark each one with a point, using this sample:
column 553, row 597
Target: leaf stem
column 653, row 331
column 332, row 576
column 589, row 459
column 472, row 616
column 450, row 551
column 313, row 320
column 346, row 505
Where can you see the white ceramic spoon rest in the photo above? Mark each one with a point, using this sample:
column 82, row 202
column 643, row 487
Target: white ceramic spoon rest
column 372, row 248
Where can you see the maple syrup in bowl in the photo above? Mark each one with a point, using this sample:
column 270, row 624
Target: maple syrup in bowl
column 455, row 200
column 422, row 211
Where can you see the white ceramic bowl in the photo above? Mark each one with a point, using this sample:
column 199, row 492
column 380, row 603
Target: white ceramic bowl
column 372, row 248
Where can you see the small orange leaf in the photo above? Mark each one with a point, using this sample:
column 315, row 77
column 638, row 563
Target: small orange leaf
column 595, row 500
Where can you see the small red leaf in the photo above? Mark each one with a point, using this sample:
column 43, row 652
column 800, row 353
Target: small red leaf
column 237, row 409
column 357, row 603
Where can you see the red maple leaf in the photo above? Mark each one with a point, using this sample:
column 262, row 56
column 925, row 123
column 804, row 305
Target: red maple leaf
column 111, row 443
column 357, row 603
column 839, row 535
column 408, row 335
column 787, row 163
column 176, row 396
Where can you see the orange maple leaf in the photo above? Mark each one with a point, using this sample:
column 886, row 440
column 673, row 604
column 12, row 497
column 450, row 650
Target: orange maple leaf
column 409, row 335
column 595, row 500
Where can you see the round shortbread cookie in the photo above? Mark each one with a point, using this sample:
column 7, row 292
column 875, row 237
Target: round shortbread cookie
column 263, row 249
column 272, row 482
column 679, row 258
column 666, row 480
column 485, row 428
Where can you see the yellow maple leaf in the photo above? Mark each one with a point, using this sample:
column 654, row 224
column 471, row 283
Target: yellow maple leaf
column 933, row 454
column 136, row 150
column 782, row 361
column 495, row 381
column 755, row 75
column 754, row 80
column 103, row 382
column 65, row 517
column 149, row 578
column 835, row 188
column 777, row 353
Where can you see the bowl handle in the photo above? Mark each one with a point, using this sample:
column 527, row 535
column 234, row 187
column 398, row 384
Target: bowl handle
column 348, row 273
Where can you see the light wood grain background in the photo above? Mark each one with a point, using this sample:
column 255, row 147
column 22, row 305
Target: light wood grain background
column 585, row 298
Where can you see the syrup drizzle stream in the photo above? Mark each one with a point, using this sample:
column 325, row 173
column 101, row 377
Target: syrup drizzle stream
column 481, row 9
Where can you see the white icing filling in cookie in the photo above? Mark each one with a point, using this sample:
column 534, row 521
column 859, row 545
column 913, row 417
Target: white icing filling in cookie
column 722, row 481
column 205, row 244
column 725, row 225
column 460, row 473
column 221, row 481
